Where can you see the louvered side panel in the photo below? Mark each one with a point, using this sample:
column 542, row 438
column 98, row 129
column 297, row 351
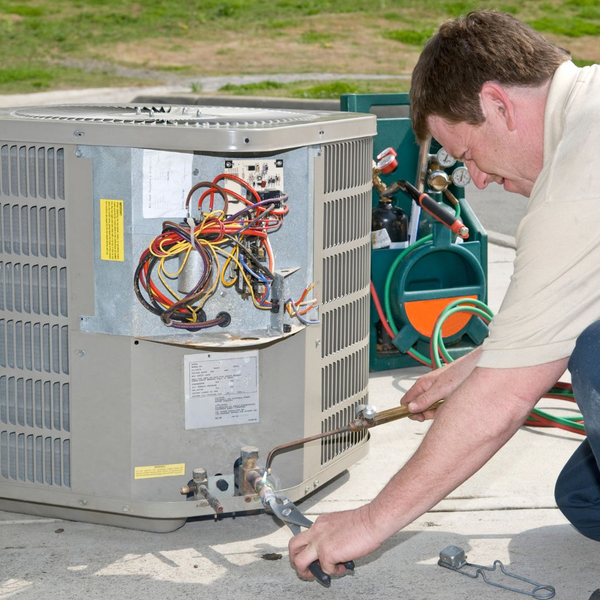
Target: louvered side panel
column 345, row 289
column 35, row 409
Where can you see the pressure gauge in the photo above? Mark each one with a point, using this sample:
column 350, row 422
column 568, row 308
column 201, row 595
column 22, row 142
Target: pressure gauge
column 461, row 177
column 446, row 160
column 438, row 180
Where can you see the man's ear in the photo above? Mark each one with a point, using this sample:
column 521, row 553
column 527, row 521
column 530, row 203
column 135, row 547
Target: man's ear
column 497, row 102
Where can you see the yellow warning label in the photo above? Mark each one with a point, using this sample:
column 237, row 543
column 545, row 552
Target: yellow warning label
column 112, row 237
column 159, row 471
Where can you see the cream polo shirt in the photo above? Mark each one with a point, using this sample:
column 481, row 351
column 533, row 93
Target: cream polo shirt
column 554, row 293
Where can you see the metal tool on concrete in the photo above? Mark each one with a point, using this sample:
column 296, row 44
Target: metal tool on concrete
column 453, row 558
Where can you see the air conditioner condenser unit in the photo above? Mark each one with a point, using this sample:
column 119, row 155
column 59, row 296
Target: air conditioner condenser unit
column 179, row 285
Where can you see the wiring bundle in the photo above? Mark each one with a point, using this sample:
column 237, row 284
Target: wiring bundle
column 232, row 250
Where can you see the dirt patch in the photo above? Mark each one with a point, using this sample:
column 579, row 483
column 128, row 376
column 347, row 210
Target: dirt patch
column 345, row 46
column 586, row 48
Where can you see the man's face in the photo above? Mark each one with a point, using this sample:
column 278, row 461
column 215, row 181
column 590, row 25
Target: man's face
column 490, row 153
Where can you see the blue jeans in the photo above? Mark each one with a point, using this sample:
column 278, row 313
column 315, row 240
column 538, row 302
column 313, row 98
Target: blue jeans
column 577, row 491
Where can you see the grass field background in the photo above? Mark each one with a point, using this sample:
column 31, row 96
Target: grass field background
column 98, row 43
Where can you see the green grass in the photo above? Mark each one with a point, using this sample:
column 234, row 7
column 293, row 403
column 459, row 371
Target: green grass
column 408, row 36
column 317, row 90
column 42, row 78
column 581, row 62
column 575, row 27
column 38, row 36
column 314, row 37
column 250, row 88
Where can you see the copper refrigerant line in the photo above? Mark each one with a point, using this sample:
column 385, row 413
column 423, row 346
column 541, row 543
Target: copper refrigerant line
column 366, row 419
column 253, row 480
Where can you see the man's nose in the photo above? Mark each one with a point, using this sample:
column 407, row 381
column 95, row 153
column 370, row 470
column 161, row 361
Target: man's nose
column 480, row 178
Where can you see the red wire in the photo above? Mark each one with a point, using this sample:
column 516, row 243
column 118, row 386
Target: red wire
column 283, row 211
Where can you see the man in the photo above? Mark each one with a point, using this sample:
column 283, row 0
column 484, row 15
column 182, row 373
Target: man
column 516, row 111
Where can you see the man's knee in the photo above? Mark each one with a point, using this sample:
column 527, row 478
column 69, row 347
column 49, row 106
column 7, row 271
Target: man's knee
column 577, row 492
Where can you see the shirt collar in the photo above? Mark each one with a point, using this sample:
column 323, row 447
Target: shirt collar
column 558, row 97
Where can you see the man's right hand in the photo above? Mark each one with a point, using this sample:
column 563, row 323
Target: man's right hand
column 437, row 385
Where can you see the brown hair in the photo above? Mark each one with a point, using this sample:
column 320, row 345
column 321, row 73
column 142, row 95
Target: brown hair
column 467, row 52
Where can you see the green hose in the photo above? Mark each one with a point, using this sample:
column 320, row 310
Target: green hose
column 480, row 309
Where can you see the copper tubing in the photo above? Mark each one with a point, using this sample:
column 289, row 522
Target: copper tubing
column 212, row 501
column 312, row 438
column 385, row 416
column 398, row 412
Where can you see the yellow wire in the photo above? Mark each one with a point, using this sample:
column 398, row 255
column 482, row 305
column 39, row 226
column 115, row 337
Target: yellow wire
column 185, row 246
column 215, row 279
column 245, row 277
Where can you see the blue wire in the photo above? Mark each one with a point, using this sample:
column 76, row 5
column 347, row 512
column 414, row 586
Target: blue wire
column 298, row 315
column 261, row 278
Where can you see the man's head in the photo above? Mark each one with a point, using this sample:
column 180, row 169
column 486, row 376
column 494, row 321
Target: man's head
column 466, row 53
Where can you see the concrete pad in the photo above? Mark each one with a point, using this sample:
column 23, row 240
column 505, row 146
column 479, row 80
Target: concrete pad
column 505, row 512
column 227, row 559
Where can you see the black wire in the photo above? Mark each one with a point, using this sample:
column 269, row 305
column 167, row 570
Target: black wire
column 259, row 217
column 259, row 265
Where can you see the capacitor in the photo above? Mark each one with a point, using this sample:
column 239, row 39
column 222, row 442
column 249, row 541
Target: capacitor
column 191, row 270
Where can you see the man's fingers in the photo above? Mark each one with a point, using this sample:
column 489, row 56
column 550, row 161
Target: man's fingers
column 334, row 569
column 302, row 555
column 422, row 403
column 414, row 392
column 297, row 547
column 429, row 414
column 418, row 417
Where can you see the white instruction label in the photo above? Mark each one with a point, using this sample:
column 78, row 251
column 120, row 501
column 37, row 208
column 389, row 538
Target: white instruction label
column 221, row 389
column 167, row 181
column 380, row 239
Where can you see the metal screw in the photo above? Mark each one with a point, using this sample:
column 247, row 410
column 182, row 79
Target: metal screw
column 196, row 172
column 138, row 110
column 80, row 352
column 198, row 113
column 184, row 110
column 78, row 153
column 286, row 512
column 318, row 343
column 78, row 133
column 126, row 508
column 316, row 483
column 307, row 489
column 248, row 499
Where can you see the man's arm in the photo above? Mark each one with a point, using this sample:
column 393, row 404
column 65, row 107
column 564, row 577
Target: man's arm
column 473, row 424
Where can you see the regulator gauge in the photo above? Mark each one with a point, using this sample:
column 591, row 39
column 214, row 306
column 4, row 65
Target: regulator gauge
column 444, row 159
column 461, row 177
